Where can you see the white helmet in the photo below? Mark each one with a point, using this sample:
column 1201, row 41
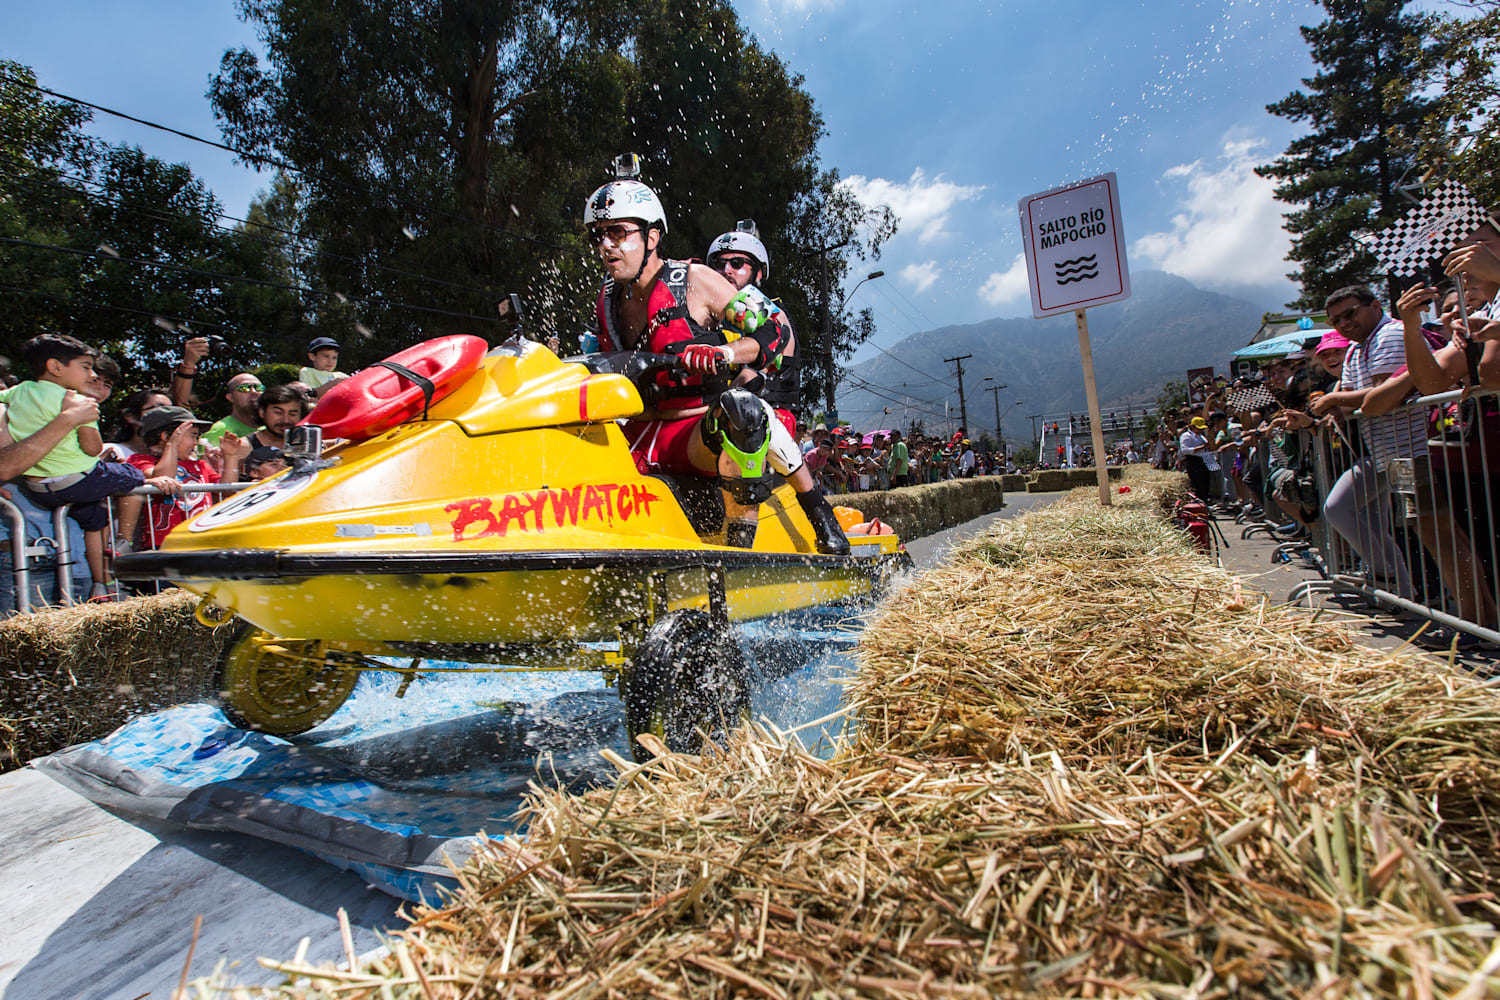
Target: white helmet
column 625, row 199
column 743, row 239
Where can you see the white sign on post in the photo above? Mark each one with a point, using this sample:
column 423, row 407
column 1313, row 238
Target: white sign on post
column 1075, row 246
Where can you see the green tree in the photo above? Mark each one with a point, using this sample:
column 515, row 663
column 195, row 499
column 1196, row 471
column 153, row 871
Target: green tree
column 444, row 150
column 42, row 150
column 1172, row 395
column 123, row 250
column 1460, row 134
column 1342, row 174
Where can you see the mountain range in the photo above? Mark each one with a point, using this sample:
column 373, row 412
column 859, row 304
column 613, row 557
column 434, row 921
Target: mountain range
column 1167, row 326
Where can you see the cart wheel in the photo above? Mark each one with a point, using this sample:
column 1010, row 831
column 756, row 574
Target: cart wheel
column 688, row 674
column 281, row 686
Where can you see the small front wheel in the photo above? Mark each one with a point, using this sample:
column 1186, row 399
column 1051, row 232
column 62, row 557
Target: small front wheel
column 687, row 675
column 281, row 686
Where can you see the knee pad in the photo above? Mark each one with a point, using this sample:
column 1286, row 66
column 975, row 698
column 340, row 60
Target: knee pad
column 739, row 426
column 785, row 456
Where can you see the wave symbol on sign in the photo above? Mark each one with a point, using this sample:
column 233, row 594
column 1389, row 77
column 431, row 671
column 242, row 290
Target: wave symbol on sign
column 1077, row 269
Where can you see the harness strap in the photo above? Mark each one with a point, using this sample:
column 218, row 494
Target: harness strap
column 421, row 381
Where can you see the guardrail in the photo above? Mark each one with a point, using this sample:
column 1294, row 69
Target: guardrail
column 31, row 552
column 1411, row 524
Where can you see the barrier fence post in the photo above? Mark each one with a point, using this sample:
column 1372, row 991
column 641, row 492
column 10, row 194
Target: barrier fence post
column 20, row 556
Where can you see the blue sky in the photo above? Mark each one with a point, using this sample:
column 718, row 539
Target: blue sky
column 947, row 112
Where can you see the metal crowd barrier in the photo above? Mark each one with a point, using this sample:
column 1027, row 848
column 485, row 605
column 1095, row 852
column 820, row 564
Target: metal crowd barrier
column 57, row 548
column 1422, row 535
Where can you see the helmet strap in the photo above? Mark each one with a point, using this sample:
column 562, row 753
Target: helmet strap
column 647, row 251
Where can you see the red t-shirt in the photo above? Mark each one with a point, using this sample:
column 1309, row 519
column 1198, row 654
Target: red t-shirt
column 163, row 513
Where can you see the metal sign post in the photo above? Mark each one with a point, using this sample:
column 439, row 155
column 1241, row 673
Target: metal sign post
column 1075, row 260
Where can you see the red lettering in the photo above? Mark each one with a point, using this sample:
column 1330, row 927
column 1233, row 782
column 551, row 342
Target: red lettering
column 536, row 505
column 643, row 498
column 470, row 512
column 566, row 502
column 593, row 500
column 510, row 511
column 608, row 490
column 601, row 501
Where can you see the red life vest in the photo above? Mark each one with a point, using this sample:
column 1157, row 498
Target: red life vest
column 668, row 321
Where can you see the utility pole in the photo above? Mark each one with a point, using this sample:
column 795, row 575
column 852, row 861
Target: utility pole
column 830, row 412
column 994, row 391
column 963, row 406
column 1036, row 441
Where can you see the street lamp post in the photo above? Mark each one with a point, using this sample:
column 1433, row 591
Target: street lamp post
column 828, row 379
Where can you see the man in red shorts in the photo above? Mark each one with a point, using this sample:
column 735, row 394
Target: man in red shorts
column 647, row 303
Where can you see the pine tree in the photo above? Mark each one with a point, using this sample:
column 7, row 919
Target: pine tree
column 1343, row 173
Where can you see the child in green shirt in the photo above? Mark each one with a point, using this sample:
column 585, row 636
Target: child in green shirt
column 71, row 473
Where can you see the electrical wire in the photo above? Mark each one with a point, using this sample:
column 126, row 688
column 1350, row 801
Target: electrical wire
column 156, row 315
column 243, row 279
column 268, row 161
column 166, row 215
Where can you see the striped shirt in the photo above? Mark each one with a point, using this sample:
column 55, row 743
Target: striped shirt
column 1402, row 434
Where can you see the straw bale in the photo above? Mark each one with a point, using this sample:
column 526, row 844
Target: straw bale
column 74, row 674
column 1086, row 765
column 914, row 511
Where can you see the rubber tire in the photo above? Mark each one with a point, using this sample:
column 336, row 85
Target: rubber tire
column 309, row 695
column 687, row 674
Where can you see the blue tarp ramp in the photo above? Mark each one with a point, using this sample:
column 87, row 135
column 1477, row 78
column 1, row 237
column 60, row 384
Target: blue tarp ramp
column 397, row 789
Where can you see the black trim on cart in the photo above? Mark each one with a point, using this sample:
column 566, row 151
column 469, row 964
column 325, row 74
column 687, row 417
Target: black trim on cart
column 264, row 564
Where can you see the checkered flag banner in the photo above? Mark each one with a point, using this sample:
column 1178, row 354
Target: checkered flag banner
column 1255, row 397
column 1428, row 232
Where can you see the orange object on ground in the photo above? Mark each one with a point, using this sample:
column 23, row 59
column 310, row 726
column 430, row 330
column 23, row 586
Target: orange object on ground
column 848, row 517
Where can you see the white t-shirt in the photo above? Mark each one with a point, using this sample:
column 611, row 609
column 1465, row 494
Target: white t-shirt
column 1394, row 435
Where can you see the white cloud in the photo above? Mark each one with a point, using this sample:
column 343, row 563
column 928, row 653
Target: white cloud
column 921, row 205
column 1008, row 285
column 921, row 276
column 1228, row 228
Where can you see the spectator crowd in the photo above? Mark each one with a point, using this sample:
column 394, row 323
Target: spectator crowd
column 1409, row 490
column 1336, row 434
column 53, row 453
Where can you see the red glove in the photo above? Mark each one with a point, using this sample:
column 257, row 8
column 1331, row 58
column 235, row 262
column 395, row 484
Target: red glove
column 704, row 358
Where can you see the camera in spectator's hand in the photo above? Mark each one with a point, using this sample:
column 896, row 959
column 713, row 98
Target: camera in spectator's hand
column 218, row 347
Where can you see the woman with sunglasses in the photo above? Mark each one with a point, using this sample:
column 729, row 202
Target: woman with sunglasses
column 650, row 303
column 243, row 393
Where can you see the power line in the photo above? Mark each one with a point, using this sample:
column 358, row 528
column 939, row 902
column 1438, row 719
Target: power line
column 155, row 315
column 260, row 160
column 243, row 279
column 869, row 386
column 166, row 214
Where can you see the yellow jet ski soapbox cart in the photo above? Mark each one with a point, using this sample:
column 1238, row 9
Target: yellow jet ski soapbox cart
column 483, row 506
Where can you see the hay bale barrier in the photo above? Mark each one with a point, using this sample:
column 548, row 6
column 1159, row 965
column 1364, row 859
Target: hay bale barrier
column 75, row 674
column 1086, row 765
column 915, row 511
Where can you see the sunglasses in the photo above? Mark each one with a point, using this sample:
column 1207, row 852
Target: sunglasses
column 614, row 234
column 732, row 263
column 248, row 388
column 1337, row 318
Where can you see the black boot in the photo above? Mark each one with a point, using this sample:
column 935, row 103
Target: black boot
column 827, row 531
